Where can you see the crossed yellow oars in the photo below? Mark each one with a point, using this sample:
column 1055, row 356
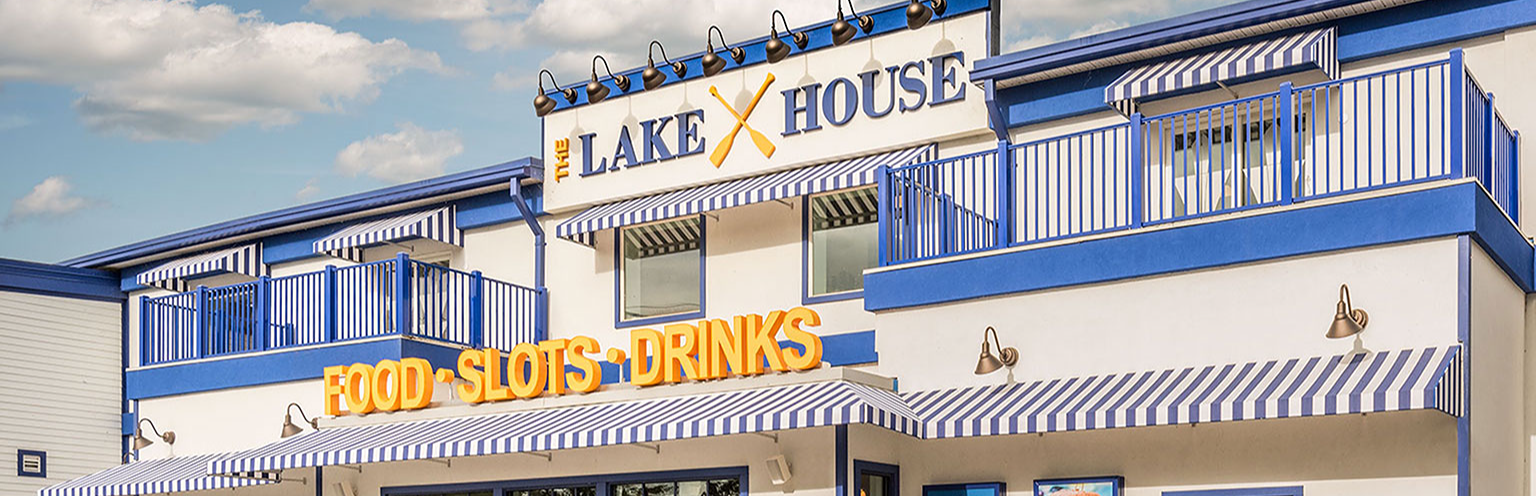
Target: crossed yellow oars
column 724, row 148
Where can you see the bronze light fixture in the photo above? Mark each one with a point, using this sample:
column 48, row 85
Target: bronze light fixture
column 989, row 363
column 776, row 49
column 597, row 91
column 653, row 77
column 918, row 14
column 289, row 428
column 543, row 104
column 842, row 31
column 141, row 442
column 1347, row 320
column 712, row 62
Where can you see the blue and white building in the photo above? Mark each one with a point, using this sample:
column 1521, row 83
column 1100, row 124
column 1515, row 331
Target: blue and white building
column 1158, row 222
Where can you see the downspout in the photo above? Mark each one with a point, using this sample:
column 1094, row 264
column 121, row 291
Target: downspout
column 541, row 321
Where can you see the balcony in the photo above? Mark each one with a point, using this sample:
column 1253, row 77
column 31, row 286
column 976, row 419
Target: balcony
column 400, row 297
column 1422, row 123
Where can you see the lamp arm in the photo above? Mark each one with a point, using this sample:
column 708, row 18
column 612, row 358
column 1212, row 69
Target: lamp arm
column 552, row 80
column 654, row 44
column 152, row 426
column 1349, row 306
column 302, row 416
column 607, row 69
column 780, row 14
column 713, row 29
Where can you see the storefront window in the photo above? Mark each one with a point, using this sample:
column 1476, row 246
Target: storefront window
column 712, row 487
column 844, row 241
column 877, row 479
column 661, row 270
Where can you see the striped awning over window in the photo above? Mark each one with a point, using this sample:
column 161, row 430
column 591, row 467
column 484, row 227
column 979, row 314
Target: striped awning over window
column 844, row 208
column 662, row 238
column 1415, row 379
column 437, row 225
column 173, row 275
column 814, row 404
column 850, row 173
column 1311, row 48
column 166, row 475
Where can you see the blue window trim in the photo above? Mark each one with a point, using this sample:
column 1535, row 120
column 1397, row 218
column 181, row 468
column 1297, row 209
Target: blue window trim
column 1118, row 481
column 618, row 282
column 601, row 482
column 861, row 467
column 806, row 298
column 998, row 488
column 43, row 469
column 1246, row 491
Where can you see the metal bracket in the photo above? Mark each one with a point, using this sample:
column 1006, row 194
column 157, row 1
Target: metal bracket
column 447, row 462
column 652, row 447
column 1229, row 90
column 773, row 436
column 358, row 468
column 546, row 456
column 785, row 203
column 712, row 215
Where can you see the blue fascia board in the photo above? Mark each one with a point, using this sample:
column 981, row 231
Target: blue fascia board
column 56, row 280
column 287, row 366
column 1171, row 30
column 525, row 168
column 887, row 19
column 1440, row 212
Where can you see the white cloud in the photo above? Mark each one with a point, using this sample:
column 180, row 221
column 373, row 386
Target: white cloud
column 13, row 121
column 413, row 153
column 411, row 10
column 53, row 197
column 169, row 69
column 309, row 190
column 1029, row 23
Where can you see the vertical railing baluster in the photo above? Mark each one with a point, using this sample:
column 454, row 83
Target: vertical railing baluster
column 199, row 320
column 477, row 309
column 1004, row 194
column 330, row 291
column 1283, row 105
column 1487, row 140
column 1137, row 195
column 883, row 206
column 144, row 319
column 263, row 303
column 402, row 293
column 1513, row 188
column 1458, row 98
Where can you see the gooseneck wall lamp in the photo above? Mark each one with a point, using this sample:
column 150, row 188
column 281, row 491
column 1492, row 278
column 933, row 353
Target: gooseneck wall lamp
column 141, row 442
column 653, row 77
column 776, row 49
column 918, row 14
column 842, row 31
column 543, row 104
column 712, row 62
column 597, row 91
column 988, row 362
column 1347, row 320
column 291, row 429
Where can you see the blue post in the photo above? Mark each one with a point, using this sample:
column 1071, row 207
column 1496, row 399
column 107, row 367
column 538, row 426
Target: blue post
column 263, row 313
column 1287, row 118
column 476, row 309
column 402, row 293
column 329, row 296
column 199, row 320
column 1514, row 178
column 1488, row 139
column 1004, row 194
column 541, row 332
column 1138, row 193
column 143, row 335
column 883, row 207
column 1458, row 100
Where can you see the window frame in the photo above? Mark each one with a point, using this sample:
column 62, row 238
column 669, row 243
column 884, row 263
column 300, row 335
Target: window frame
column 1245, row 491
column 602, row 483
column 806, row 298
column 618, row 278
column 861, row 467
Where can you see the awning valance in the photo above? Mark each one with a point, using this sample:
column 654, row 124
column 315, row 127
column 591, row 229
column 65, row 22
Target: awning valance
column 173, row 275
column 1311, row 48
column 814, row 404
column 166, row 475
column 437, row 225
column 1415, row 379
column 811, row 180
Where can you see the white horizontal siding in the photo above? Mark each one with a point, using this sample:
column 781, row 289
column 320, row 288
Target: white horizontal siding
column 62, row 393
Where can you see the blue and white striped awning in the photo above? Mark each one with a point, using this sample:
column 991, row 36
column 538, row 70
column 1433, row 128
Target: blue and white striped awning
column 1311, row 48
column 437, row 225
column 850, row 173
column 813, row 404
column 1416, row 379
column 166, row 475
column 173, row 275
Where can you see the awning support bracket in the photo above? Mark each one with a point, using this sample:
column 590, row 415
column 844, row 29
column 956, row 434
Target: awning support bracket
column 546, row 456
column 653, row 447
column 446, row 462
column 770, row 435
column 357, row 468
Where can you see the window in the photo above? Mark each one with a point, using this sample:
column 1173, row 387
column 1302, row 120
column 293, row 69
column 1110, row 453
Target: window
column 709, row 487
column 877, row 479
column 661, row 270
column 725, row 481
column 843, row 240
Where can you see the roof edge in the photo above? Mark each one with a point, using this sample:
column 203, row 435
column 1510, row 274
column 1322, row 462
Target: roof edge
column 523, row 169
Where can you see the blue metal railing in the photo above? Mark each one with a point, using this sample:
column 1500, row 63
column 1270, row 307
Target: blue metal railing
column 1425, row 122
column 391, row 297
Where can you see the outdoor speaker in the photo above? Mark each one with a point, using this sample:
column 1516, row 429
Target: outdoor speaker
column 778, row 470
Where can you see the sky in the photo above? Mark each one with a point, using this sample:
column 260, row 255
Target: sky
column 124, row 120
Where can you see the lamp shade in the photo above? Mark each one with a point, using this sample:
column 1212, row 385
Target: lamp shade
column 918, row 15
column 776, row 50
column 988, row 363
column 596, row 91
column 543, row 105
column 1347, row 320
column 652, row 77
column 842, row 31
column 141, row 442
column 289, row 428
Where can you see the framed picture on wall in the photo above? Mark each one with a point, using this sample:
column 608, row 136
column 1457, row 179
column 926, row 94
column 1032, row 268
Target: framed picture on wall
column 1086, row 486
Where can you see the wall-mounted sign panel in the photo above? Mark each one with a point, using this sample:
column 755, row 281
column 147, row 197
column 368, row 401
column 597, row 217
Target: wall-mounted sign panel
column 874, row 94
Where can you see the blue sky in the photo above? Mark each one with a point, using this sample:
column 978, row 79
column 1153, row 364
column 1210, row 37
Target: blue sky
column 122, row 120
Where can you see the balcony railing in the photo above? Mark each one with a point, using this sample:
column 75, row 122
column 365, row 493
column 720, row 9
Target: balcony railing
column 393, row 297
column 1426, row 122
